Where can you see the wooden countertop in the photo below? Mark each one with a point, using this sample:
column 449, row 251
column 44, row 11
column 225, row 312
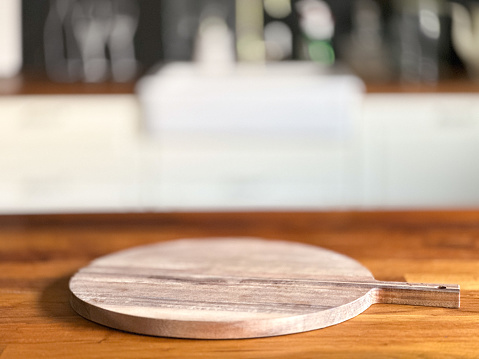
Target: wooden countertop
column 33, row 83
column 38, row 254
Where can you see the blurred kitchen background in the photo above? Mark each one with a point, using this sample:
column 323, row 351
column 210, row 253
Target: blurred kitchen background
column 180, row 105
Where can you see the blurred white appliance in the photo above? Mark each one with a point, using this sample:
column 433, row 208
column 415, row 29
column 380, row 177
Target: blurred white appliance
column 252, row 135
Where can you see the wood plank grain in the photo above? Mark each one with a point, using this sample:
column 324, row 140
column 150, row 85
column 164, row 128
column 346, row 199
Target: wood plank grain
column 39, row 254
column 235, row 287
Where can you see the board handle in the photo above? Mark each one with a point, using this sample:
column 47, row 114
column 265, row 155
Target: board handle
column 431, row 295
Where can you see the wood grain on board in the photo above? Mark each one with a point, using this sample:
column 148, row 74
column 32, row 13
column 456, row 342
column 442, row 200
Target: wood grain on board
column 39, row 254
column 230, row 288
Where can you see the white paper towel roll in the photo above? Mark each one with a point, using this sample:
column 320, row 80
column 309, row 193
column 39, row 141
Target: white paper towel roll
column 10, row 37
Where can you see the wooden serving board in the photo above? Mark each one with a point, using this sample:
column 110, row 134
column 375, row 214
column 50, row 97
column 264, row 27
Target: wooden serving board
column 235, row 288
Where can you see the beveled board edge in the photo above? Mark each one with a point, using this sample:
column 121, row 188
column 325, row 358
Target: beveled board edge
column 222, row 330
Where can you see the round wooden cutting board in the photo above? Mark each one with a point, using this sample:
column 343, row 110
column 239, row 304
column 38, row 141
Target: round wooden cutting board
column 235, row 288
